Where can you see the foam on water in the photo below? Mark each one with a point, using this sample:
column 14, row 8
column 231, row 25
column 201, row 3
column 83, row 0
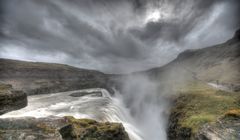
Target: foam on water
column 105, row 108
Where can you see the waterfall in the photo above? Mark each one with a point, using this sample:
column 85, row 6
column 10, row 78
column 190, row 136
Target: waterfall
column 102, row 107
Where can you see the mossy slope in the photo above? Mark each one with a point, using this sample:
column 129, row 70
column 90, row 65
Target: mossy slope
column 199, row 104
column 66, row 128
column 87, row 129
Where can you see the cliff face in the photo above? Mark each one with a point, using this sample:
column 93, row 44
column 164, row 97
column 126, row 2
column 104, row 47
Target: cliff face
column 11, row 99
column 66, row 128
column 42, row 78
column 196, row 109
column 223, row 129
column 206, row 84
column 198, row 112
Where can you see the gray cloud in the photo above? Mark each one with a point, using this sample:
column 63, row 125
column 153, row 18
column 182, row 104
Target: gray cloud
column 112, row 36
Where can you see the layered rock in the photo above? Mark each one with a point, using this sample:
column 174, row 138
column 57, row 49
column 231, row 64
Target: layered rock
column 42, row 78
column 11, row 99
column 225, row 128
column 66, row 128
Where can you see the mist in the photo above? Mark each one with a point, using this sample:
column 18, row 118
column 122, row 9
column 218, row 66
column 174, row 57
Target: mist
column 147, row 105
column 117, row 37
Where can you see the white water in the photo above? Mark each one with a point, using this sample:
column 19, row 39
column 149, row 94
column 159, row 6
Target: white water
column 140, row 107
column 105, row 108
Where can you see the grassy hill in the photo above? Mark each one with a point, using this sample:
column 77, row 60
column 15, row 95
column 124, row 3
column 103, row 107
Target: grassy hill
column 200, row 111
column 218, row 64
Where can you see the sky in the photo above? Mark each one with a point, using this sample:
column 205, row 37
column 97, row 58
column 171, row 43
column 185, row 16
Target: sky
column 113, row 36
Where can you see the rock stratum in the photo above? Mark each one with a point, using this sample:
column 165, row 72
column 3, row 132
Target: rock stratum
column 66, row 128
column 20, row 79
column 42, row 78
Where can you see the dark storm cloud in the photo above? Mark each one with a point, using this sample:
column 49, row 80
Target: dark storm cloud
column 109, row 35
column 115, row 43
column 183, row 21
column 1, row 16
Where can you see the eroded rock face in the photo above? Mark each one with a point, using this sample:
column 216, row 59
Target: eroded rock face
column 80, row 94
column 175, row 130
column 224, row 129
column 42, row 78
column 85, row 129
column 10, row 99
column 54, row 128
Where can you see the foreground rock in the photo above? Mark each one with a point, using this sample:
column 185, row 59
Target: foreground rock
column 66, row 128
column 10, row 99
column 223, row 129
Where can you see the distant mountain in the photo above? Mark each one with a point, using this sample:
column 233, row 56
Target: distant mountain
column 219, row 64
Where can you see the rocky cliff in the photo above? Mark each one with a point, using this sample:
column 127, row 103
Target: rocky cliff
column 54, row 128
column 198, row 107
column 207, row 86
column 197, row 113
column 223, row 129
column 203, row 84
column 42, row 78
column 11, row 99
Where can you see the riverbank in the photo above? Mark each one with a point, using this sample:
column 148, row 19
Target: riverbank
column 199, row 105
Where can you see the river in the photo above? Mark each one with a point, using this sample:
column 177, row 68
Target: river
column 101, row 107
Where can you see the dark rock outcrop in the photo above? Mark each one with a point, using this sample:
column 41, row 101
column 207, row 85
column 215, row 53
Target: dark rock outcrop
column 54, row 128
column 175, row 130
column 223, row 129
column 90, row 129
column 196, row 111
column 11, row 99
column 80, row 94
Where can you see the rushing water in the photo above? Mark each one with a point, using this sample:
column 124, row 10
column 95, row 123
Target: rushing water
column 101, row 108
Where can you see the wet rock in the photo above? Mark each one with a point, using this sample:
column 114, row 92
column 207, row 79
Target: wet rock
column 11, row 99
column 224, row 129
column 226, row 125
column 80, row 94
column 56, row 128
column 84, row 129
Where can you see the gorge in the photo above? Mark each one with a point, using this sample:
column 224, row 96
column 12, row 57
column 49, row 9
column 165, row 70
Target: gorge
column 161, row 103
column 119, row 70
